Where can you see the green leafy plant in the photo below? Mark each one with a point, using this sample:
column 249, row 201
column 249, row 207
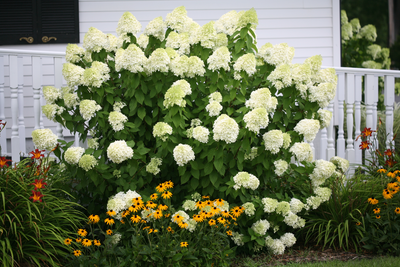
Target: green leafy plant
column 34, row 218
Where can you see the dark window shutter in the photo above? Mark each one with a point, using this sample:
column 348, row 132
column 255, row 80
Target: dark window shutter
column 46, row 21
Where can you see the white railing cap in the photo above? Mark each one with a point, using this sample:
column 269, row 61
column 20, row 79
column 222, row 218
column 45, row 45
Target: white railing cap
column 362, row 71
column 16, row 52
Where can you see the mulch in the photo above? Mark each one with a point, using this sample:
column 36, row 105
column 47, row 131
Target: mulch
column 303, row 254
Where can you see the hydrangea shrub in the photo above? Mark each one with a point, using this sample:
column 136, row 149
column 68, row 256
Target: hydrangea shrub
column 204, row 107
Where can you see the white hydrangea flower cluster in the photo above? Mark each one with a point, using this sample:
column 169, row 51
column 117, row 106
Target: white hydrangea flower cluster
column 158, row 61
column 301, row 75
column 256, row 119
column 70, row 100
column 323, row 192
column 270, row 204
column 156, row 28
column 227, row 23
column 261, row 98
column 176, row 93
column 341, row 163
column 325, row 117
column 51, row 110
column 245, row 180
column 128, row 24
column 143, row 41
column 288, row 239
column 273, row 141
column 368, row 32
column 314, row 202
column 153, row 166
column 189, row 205
column 280, row 166
column 95, row 40
column 322, row 171
column 196, row 196
column 293, row 220
column 87, row 162
column 275, row 245
column 296, row 205
column 44, row 139
column 183, row 154
column 225, row 129
column 214, row 107
column 219, row 59
column 121, row 201
column 315, row 63
column 88, row 108
column 73, row 154
column 179, row 41
column 96, row 75
column 191, row 225
column 201, row 133
column 252, row 155
column 74, row 53
column 93, row 143
column 308, row 128
column 72, row 74
column 260, row 227
column 132, row 59
column 302, row 151
column 118, row 106
column 114, row 44
column 276, row 54
column 249, row 208
column 237, row 238
column 246, row 63
column 119, row 151
column 281, row 76
column 51, row 94
column 161, row 130
column 322, row 94
column 178, row 20
column 283, row 208
column 117, row 120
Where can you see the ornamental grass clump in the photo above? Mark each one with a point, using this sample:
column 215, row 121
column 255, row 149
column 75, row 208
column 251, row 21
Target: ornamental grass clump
column 210, row 105
column 147, row 230
column 36, row 215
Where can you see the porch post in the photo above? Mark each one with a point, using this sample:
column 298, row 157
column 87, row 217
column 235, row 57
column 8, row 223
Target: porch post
column 3, row 135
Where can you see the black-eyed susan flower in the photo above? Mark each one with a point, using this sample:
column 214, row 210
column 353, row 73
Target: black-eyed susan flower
column 150, row 230
column 221, row 220
column 82, row 232
column 177, row 218
column 153, row 196
column 377, row 210
column 391, row 175
column 111, row 213
column 373, row 201
column 236, row 211
column 215, row 210
column 109, row 221
column 157, row 214
column 184, row 244
column 169, row 229
column 68, row 241
column 211, row 222
column 382, row 171
column 387, row 194
column 94, row 218
column 166, row 195
column 169, row 184
column 150, row 204
column 397, row 210
column 162, row 207
column 109, row 232
column 96, row 242
column 166, row 215
column 135, row 218
column 161, row 188
column 125, row 213
column 183, row 225
column 78, row 240
column 358, row 223
column 87, row 242
column 138, row 201
column 208, row 203
column 198, row 218
column 147, row 227
column 225, row 213
column 199, row 205
column 155, row 231
column 134, row 208
column 378, row 217
column 77, row 253
column 229, row 232
column 219, row 202
column 122, row 221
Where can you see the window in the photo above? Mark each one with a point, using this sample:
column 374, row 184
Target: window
column 39, row 21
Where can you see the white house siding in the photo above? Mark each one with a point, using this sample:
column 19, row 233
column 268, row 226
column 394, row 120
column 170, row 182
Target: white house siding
column 312, row 27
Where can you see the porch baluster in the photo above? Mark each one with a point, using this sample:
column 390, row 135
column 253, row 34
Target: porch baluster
column 389, row 100
column 349, row 110
column 340, row 97
column 36, row 85
column 15, row 148
column 58, row 84
column 357, row 115
column 3, row 134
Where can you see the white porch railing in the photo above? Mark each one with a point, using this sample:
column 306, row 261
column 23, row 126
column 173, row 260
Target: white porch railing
column 23, row 72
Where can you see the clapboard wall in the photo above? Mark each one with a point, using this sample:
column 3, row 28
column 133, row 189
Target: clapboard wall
column 312, row 27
